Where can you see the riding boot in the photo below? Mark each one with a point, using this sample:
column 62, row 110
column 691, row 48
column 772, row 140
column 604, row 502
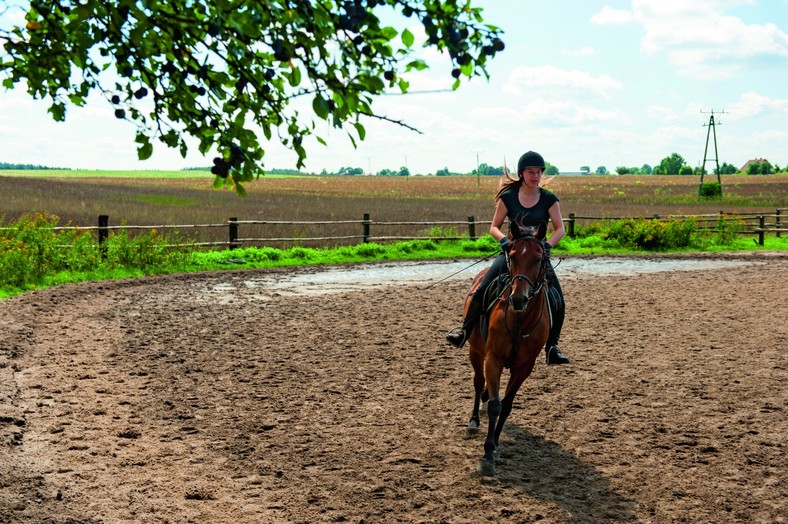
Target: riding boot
column 468, row 324
column 554, row 355
column 552, row 351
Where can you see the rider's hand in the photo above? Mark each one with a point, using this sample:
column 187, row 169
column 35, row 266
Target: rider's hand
column 506, row 244
column 547, row 247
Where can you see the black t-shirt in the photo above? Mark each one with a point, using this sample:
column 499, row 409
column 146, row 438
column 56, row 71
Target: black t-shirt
column 535, row 216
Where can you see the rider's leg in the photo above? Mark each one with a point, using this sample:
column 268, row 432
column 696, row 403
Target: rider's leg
column 476, row 306
column 552, row 351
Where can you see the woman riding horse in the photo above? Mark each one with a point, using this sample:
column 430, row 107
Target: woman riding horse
column 524, row 202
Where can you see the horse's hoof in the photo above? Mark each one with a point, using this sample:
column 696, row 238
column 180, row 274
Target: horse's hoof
column 485, row 468
column 471, row 431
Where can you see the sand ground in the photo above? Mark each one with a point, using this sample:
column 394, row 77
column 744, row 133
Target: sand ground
column 196, row 398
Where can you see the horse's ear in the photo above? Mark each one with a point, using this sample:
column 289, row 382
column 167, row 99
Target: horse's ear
column 516, row 229
column 541, row 231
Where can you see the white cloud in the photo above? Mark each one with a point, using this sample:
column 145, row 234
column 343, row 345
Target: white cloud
column 550, row 78
column 699, row 39
column 551, row 112
column 611, row 16
column 752, row 104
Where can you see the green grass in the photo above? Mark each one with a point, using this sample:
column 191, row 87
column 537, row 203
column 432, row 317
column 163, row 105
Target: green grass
column 258, row 258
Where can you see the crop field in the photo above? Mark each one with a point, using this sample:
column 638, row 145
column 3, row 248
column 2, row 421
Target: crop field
column 161, row 200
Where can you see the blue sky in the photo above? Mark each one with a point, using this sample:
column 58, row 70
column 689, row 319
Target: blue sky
column 616, row 83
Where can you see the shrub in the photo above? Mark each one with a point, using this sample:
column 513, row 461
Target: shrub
column 727, row 229
column 710, row 190
column 652, row 234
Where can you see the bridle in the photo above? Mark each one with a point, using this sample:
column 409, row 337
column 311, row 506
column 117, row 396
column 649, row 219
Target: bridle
column 535, row 287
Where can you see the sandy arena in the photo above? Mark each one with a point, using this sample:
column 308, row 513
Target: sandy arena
column 200, row 398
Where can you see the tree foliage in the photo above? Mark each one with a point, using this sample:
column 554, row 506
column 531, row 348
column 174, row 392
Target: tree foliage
column 727, row 169
column 759, row 168
column 670, row 165
column 227, row 71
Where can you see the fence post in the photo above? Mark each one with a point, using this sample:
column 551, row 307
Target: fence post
column 233, row 231
column 571, row 229
column 472, row 227
column 103, row 234
column 777, row 222
column 365, row 221
column 762, row 223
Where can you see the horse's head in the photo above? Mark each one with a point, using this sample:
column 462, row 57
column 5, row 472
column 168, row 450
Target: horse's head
column 527, row 266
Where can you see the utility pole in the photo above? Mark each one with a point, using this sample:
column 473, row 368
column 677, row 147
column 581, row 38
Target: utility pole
column 478, row 181
column 711, row 130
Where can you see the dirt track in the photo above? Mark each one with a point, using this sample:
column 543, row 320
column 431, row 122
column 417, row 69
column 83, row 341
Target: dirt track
column 198, row 399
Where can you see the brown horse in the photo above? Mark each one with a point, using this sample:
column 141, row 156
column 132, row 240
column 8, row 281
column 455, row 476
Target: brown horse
column 519, row 323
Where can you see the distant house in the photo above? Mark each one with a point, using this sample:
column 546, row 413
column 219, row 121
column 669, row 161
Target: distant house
column 744, row 167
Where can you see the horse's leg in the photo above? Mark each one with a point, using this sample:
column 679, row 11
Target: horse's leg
column 516, row 380
column 477, row 361
column 492, row 371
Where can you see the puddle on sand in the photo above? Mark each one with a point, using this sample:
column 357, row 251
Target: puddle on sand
column 312, row 281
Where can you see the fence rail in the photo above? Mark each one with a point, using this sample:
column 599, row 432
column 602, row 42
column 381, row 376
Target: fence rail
column 754, row 223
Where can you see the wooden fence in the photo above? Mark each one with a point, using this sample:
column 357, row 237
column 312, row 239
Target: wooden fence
column 752, row 224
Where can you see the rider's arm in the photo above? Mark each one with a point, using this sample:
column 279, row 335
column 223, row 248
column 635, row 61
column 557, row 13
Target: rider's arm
column 497, row 221
column 558, row 224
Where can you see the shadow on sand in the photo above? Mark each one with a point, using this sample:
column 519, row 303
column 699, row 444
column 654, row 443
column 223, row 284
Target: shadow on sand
column 543, row 469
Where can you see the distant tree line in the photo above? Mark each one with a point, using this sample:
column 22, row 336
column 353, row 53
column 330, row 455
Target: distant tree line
column 23, row 167
column 676, row 165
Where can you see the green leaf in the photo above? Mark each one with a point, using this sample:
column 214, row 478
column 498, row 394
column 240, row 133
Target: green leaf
column 77, row 100
column 58, row 111
column 389, row 33
column 418, row 65
column 295, row 76
column 362, row 133
column 407, row 38
column 145, row 151
column 320, row 106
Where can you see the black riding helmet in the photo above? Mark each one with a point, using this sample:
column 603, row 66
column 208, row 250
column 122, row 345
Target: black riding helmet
column 530, row 159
